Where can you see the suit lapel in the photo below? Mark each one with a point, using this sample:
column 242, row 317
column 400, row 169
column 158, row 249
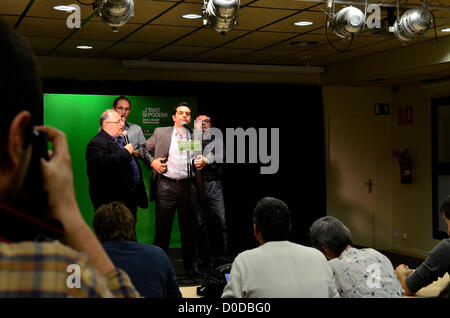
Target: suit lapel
column 167, row 140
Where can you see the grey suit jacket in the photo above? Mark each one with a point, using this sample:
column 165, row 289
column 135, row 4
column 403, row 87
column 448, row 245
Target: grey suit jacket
column 157, row 146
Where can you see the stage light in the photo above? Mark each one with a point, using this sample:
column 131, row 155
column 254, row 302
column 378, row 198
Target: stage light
column 222, row 15
column 115, row 12
column 412, row 24
column 445, row 30
column 348, row 21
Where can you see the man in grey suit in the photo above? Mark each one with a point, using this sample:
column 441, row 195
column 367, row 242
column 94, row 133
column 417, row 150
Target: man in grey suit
column 173, row 184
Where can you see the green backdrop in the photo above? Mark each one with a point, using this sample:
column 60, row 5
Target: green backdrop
column 78, row 116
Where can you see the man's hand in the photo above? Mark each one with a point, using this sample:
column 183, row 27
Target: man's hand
column 200, row 162
column 58, row 179
column 130, row 148
column 402, row 271
column 158, row 165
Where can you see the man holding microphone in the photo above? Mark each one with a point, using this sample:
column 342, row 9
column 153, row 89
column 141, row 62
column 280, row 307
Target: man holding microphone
column 113, row 172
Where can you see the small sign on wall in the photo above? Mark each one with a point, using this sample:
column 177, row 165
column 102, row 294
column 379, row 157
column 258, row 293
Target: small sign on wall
column 405, row 116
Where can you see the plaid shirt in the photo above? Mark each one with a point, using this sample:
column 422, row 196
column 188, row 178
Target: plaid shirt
column 41, row 269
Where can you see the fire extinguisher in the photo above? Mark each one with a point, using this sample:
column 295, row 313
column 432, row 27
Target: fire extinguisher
column 405, row 161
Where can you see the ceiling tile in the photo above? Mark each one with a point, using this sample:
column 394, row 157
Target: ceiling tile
column 42, row 27
column 287, row 25
column 209, row 37
column 159, row 34
column 13, row 7
column 129, row 50
column 284, row 4
column 176, row 52
column 100, row 30
column 68, row 48
column 254, row 18
column 258, row 40
column 44, row 9
column 173, row 17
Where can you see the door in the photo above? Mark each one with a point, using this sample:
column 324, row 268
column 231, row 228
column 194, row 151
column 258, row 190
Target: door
column 350, row 176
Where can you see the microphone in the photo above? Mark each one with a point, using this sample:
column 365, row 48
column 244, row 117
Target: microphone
column 125, row 137
column 187, row 127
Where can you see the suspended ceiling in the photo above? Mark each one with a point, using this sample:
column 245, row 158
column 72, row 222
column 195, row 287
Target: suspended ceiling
column 265, row 35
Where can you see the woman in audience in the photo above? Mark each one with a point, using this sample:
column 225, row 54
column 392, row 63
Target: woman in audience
column 358, row 272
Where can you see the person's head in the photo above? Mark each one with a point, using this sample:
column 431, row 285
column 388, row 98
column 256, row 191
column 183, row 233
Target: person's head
column 114, row 222
column 272, row 220
column 445, row 211
column 122, row 105
column 112, row 122
column 205, row 117
column 21, row 90
column 181, row 114
column 330, row 236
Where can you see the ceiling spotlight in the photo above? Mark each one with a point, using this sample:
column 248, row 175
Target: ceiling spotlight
column 64, row 8
column 412, row 24
column 115, row 12
column 222, row 15
column 84, row 47
column 191, row 16
column 348, row 21
column 303, row 23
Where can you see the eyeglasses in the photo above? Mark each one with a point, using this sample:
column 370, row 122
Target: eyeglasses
column 122, row 109
column 122, row 122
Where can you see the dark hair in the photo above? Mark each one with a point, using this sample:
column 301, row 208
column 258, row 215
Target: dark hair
column 179, row 105
column 20, row 85
column 445, row 207
column 273, row 219
column 119, row 98
column 331, row 233
column 203, row 113
column 114, row 222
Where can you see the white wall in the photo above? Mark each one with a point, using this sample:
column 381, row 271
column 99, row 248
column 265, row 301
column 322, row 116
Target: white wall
column 398, row 207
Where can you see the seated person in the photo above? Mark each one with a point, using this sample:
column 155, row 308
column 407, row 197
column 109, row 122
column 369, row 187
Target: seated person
column 46, row 247
column 435, row 265
column 278, row 268
column 147, row 265
column 358, row 272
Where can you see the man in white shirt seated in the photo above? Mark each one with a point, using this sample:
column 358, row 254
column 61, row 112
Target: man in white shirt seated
column 278, row 268
column 358, row 272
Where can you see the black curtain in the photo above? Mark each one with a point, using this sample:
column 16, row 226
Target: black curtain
column 295, row 109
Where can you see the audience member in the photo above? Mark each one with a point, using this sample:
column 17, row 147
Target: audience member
column 75, row 266
column 358, row 272
column 148, row 266
column 278, row 268
column 435, row 265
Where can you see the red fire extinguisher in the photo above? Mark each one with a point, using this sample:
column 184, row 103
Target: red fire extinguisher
column 405, row 161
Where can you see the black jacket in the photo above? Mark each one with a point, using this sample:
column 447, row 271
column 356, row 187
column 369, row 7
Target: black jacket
column 111, row 175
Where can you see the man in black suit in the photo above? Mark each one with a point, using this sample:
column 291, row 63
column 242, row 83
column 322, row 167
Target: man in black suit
column 113, row 172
